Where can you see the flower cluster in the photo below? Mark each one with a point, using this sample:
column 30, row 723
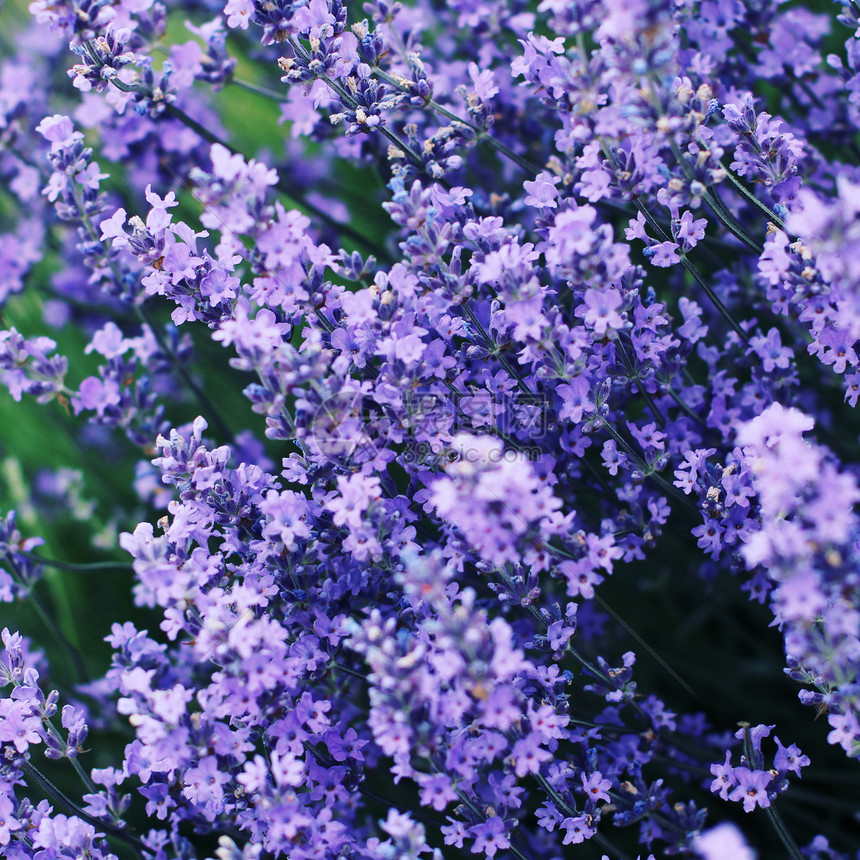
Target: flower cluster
column 522, row 296
column 755, row 786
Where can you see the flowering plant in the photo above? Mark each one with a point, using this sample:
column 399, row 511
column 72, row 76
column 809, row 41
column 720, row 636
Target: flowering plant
column 488, row 371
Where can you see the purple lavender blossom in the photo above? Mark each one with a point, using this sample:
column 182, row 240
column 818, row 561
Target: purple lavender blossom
column 603, row 324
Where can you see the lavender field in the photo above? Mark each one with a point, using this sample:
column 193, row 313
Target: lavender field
column 429, row 430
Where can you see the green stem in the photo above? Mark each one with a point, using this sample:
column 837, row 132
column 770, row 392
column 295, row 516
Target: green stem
column 351, row 103
column 647, row 647
column 601, row 479
column 684, row 408
column 207, row 135
column 82, row 568
column 198, row 392
column 493, row 349
column 588, row 665
column 772, row 812
column 751, row 198
column 58, row 796
column 74, row 652
column 608, row 845
column 206, row 404
column 646, row 470
column 557, row 799
column 708, row 290
column 517, row 852
column 258, row 90
column 481, row 133
column 289, row 193
column 685, row 262
column 48, row 621
column 569, row 811
column 655, row 410
column 725, row 216
column 711, row 196
column 76, row 765
column 347, row 671
column 720, row 209
column 782, row 831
